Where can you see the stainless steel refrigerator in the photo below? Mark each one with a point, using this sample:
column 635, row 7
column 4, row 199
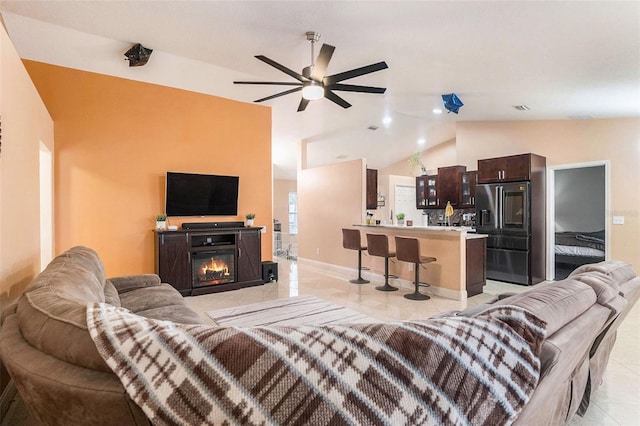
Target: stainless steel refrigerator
column 504, row 212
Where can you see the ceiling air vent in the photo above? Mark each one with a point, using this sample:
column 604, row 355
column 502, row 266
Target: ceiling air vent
column 521, row 107
column 372, row 127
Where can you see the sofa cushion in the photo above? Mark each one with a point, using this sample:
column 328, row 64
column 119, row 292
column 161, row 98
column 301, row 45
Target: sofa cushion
column 161, row 302
column 556, row 303
column 618, row 270
column 111, row 294
column 605, row 287
column 54, row 306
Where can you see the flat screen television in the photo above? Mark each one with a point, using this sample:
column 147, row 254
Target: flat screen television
column 189, row 194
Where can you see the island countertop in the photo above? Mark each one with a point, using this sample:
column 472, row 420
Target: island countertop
column 450, row 245
column 467, row 231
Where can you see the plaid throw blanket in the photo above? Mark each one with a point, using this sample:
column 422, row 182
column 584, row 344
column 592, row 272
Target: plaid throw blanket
column 456, row 370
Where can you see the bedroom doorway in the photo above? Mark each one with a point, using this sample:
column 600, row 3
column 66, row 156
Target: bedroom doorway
column 578, row 200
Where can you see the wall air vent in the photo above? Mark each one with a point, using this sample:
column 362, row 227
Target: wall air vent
column 372, row 127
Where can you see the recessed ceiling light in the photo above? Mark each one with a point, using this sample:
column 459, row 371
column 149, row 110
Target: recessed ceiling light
column 522, row 107
column 437, row 111
column 386, row 120
column 421, row 141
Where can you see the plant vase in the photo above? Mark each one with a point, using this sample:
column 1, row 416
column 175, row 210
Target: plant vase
column 161, row 225
column 249, row 222
column 400, row 222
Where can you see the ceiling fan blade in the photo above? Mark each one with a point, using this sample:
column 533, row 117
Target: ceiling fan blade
column 281, row 68
column 303, row 104
column 320, row 67
column 355, row 88
column 272, row 83
column 277, row 95
column 332, row 79
column 335, row 98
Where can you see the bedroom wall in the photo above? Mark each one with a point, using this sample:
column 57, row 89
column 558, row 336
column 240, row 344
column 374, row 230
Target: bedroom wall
column 116, row 139
column 25, row 124
column 580, row 199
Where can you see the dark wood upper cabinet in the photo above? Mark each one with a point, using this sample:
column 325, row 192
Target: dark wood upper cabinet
column 372, row 189
column 426, row 192
column 468, row 189
column 449, row 185
column 512, row 168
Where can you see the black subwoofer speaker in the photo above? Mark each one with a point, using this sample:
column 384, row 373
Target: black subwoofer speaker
column 269, row 271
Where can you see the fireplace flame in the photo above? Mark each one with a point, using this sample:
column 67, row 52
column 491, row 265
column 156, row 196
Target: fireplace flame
column 215, row 267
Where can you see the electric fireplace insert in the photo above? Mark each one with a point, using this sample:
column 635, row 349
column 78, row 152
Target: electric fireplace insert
column 213, row 268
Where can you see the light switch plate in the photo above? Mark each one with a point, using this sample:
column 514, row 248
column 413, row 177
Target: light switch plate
column 618, row 220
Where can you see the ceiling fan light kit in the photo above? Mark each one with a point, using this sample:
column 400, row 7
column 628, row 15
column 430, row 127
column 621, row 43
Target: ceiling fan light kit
column 314, row 83
column 313, row 91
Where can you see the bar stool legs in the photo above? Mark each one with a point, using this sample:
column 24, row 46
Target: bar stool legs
column 416, row 295
column 359, row 280
column 386, row 286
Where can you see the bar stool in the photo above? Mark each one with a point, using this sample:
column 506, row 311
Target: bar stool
column 378, row 245
column 351, row 241
column 408, row 250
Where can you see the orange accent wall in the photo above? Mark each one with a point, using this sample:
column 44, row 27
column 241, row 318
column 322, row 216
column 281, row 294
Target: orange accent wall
column 116, row 139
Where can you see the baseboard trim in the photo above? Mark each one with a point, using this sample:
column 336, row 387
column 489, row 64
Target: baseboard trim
column 342, row 272
column 7, row 396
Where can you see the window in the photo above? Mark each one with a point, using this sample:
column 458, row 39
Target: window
column 293, row 213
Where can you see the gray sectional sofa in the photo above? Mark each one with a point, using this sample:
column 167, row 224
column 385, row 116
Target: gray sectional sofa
column 47, row 349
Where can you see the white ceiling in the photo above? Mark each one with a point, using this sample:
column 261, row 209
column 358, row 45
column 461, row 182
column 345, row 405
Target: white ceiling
column 563, row 59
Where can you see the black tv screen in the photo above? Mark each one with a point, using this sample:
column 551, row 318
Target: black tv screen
column 189, row 194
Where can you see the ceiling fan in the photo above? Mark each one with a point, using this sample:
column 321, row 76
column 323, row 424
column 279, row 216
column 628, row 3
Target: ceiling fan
column 313, row 82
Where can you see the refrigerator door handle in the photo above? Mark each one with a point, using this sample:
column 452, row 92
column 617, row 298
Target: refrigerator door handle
column 500, row 209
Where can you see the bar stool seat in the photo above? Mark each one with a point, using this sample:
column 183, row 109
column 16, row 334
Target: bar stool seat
column 351, row 241
column 378, row 245
column 408, row 250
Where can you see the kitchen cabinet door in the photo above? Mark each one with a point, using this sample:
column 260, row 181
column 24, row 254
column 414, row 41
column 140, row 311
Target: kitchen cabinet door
column 426, row 192
column 468, row 189
column 513, row 168
column 372, row 189
column 448, row 185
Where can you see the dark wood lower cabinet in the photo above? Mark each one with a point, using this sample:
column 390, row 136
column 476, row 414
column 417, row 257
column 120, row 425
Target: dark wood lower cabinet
column 182, row 259
column 476, row 254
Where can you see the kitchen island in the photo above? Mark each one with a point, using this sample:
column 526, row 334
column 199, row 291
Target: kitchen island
column 460, row 269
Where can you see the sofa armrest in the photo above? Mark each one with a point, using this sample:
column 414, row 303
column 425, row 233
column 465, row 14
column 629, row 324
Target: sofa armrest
column 133, row 282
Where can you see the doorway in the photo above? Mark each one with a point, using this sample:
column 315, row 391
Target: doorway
column 577, row 230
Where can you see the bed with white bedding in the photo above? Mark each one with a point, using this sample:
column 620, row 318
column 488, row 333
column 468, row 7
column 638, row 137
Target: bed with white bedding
column 573, row 249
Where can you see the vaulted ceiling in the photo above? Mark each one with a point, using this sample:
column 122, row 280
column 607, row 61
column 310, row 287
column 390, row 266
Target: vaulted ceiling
column 564, row 60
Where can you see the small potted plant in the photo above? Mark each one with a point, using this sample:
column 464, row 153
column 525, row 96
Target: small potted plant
column 250, row 217
column 161, row 222
column 400, row 218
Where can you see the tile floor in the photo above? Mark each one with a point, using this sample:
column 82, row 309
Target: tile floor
column 617, row 402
